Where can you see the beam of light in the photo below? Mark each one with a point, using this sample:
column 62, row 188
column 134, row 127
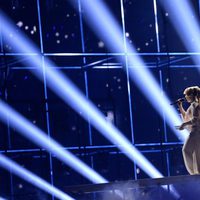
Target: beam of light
column 64, row 88
column 37, row 136
column 185, row 22
column 1, row 198
column 30, row 177
column 106, row 27
column 70, row 94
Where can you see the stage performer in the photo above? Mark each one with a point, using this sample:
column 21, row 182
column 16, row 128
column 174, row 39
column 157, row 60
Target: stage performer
column 191, row 122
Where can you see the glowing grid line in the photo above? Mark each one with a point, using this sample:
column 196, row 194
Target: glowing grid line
column 64, row 88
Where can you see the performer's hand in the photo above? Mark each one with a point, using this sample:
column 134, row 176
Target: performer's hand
column 179, row 102
column 181, row 127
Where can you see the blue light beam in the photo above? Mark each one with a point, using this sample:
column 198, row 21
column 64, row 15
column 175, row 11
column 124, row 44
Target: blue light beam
column 185, row 22
column 70, row 94
column 1, row 198
column 37, row 136
column 106, row 27
column 30, row 177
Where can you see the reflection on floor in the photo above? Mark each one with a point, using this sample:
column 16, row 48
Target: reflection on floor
column 169, row 188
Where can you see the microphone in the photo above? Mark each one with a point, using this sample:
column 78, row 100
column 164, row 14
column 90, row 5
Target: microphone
column 177, row 101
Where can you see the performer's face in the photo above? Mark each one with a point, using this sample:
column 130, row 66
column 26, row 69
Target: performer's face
column 189, row 98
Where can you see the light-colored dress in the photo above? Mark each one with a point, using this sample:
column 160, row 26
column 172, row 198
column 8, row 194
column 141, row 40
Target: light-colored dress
column 191, row 148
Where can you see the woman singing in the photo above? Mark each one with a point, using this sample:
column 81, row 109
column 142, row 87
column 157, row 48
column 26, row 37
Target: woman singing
column 191, row 122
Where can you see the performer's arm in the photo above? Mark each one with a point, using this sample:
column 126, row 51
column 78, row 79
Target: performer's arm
column 196, row 114
column 183, row 125
column 181, row 109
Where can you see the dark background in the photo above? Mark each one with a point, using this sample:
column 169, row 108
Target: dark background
column 107, row 87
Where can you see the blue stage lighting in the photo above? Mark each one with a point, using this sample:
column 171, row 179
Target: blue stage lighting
column 28, row 176
column 1, row 198
column 37, row 136
column 106, row 27
column 185, row 22
column 70, row 94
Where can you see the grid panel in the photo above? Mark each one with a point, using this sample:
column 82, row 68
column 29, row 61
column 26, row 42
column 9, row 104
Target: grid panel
column 94, row 67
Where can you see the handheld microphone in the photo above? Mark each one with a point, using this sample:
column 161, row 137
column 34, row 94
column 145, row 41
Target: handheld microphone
column 177, row 101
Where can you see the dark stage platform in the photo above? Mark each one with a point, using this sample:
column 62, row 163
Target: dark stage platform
column 168, row 188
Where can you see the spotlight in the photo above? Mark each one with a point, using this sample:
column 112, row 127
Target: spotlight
column 28, row 176
column 106, row 27
column 70, row 94
column 67, row 91
column 38, row 137
column 182, row 16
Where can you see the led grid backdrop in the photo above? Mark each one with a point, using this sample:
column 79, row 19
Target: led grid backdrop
column 87, row 61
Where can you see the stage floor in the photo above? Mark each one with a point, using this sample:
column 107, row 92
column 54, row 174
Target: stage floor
column 168, row 188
